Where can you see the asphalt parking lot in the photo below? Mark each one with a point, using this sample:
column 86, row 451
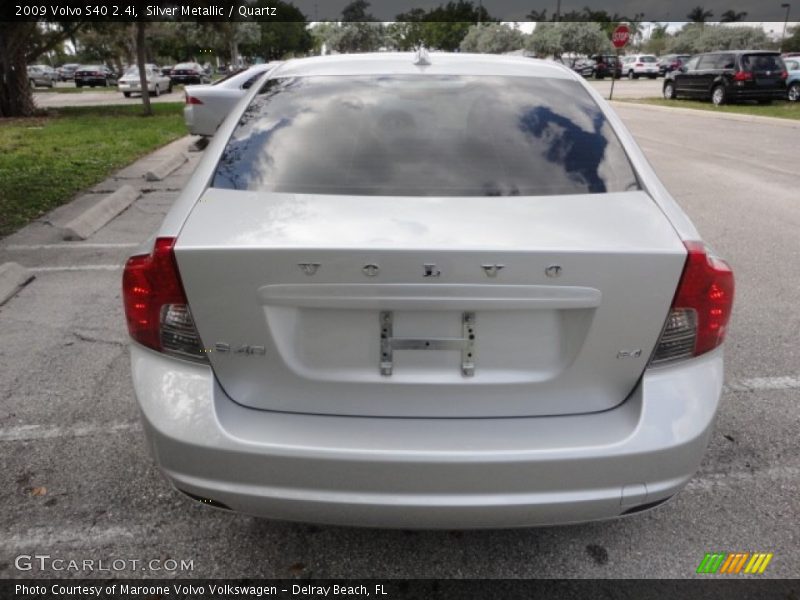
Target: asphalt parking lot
column 78, row 482
column 45, row 98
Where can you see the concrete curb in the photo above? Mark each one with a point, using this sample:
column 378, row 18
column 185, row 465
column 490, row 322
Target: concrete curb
column 12, row 279
column 101, row 213
column 790, row 123
column 168, row 166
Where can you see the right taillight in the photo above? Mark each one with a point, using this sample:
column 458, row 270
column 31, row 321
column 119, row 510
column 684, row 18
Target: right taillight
column 155, row 304
column 699, row 315
column 743, row 76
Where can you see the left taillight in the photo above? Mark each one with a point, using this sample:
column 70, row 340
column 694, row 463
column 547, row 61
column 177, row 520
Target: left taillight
column 156, row 308
column 192, row 99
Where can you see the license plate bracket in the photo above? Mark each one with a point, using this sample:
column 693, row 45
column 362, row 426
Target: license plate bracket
column 389, row 343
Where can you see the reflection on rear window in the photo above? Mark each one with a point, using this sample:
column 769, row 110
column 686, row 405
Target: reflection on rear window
column 424, row 135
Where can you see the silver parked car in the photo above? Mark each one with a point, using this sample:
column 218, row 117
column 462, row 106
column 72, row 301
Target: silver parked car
column 130, row 82
column 208, row 105
column 42, row 75
column 429, row 291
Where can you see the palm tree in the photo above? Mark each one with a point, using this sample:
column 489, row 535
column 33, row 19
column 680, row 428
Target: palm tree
column 731, row 16
column 699, row 15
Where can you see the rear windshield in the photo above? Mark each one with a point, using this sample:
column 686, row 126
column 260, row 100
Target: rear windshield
column 424, row 135
column 649, row 59
column 762, row 62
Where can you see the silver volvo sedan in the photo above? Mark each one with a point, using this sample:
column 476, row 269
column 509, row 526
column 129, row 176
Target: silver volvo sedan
column 426, row 291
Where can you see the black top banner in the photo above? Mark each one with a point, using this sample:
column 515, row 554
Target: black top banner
column 384, row 10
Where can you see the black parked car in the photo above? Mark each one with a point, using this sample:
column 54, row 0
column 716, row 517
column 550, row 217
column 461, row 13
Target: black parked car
column 94, row 75
column 729, row 76
column 671, row 62
column 189, row 72
column 606, row 65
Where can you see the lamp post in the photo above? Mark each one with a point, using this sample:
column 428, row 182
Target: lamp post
column 787, row 6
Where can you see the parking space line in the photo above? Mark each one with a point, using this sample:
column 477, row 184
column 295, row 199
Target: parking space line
column 26, row 433
column 68, row 246
column 755, row 384
column 75, row 268
column 43, row 537
column 710, row 480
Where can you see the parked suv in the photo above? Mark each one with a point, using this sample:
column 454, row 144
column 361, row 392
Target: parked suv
column 640, row 65
column 793, row 82
column 729, row 76
column 606, row 65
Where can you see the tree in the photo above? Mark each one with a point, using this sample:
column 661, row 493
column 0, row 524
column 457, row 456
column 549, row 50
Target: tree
column 568, row 37
column 353, row 36
column 537, row 15
column 792, row 41
column 694, row 38
column 440, row 28
column 658, row 40
column 356, row 12
column 699, row 15
column 285, row 34
column 141, row 59
column 22, row 43
column 106, row 42
column 492, row 38
column 731, row 16
column 359, row 37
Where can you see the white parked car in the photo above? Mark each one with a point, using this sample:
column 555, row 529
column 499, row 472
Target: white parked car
column 130, row 82
column 427, row 291
column 640, row 65
column 208, row 105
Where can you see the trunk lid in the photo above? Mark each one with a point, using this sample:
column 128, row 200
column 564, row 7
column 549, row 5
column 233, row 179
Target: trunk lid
column 428, row 307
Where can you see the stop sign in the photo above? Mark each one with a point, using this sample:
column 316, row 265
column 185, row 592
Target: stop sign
column 620, row 36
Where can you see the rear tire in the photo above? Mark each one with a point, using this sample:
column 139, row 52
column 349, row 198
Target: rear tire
column 718, row 95
column 169, row 87
column 631, row 75
column 126, row 94
column 794, row 92
column 669, row 91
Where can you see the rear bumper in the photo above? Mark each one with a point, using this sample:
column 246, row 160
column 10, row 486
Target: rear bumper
column 194, row 124
column 427, row 473
column 751, row 94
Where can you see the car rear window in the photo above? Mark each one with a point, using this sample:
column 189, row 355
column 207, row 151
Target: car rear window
column 762, row 62
column 649, row 59
column 424, row 135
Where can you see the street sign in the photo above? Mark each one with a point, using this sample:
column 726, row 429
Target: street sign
column 621, row 36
